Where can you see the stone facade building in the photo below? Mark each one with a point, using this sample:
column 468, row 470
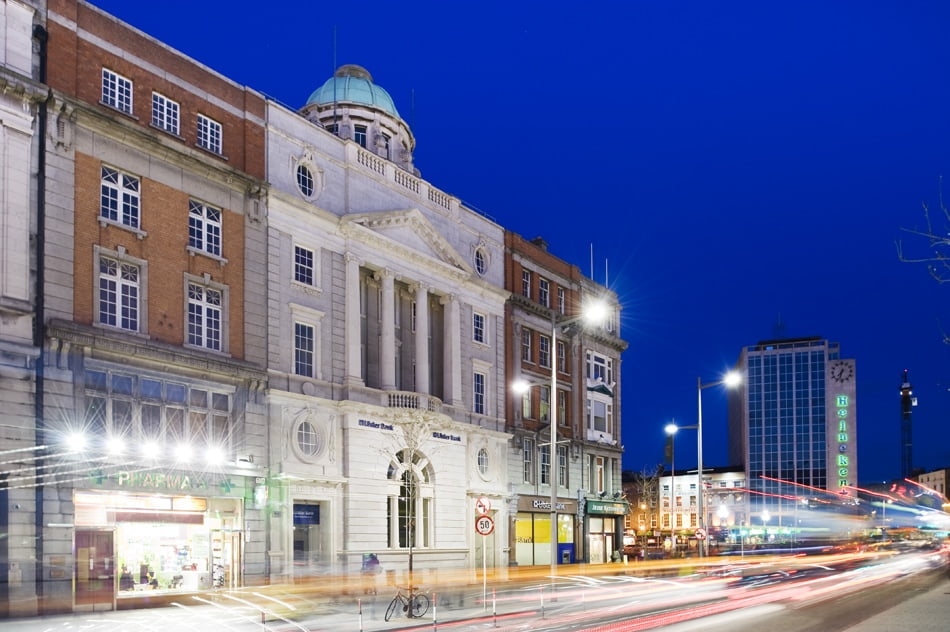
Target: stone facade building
column 243, row 344
column 386, row 348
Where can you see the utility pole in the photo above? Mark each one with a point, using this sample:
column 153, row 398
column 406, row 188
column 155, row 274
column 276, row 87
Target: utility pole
column 908, row 401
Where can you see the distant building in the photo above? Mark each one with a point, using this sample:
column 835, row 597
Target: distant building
column 660, row 500
column 793, row 423
column 939, row 482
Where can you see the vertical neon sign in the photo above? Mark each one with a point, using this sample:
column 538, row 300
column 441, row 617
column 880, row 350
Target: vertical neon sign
column 842, row 404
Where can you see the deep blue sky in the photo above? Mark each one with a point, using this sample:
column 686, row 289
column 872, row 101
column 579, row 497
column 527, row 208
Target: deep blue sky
column 730, row 163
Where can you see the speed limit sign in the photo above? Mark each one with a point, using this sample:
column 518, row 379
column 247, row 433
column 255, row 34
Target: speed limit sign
column 484, row 525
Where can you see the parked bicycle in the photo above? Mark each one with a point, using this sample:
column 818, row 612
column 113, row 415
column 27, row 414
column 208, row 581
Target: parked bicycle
column 414, row 604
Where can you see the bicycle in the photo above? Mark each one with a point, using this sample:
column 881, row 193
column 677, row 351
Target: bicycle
column 414, row 604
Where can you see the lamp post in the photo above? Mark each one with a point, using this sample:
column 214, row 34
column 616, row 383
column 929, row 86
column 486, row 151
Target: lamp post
column 731, row 379
column 671, row 429
column 594, row 312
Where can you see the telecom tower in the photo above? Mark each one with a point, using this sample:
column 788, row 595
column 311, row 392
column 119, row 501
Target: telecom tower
column 908, row 401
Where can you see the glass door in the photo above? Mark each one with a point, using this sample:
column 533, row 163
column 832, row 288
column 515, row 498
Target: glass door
column 95, row 570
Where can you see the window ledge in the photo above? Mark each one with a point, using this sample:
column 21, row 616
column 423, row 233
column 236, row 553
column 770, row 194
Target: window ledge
column 117, row 329
column 120, row 111
column 197, row 251
column 167, row 131
column 217, row 352
column 211, row 152
column 139, row 233
column 312, row 290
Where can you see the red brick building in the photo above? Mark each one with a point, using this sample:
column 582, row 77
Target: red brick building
column 153, row 248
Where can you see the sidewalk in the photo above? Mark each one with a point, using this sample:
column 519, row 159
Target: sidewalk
column 352, row 612
column 925, row 612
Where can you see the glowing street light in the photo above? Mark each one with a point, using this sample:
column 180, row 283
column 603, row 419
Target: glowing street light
column 215, row 456
column 183, row 453
column 150, row 450
column 76, row 442
column 671, row 429
column 115, row 446
column 730, row 380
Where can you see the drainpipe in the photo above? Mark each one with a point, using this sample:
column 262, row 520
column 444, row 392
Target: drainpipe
column 39, row 319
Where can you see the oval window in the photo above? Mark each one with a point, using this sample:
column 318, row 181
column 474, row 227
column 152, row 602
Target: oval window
column 305, row 180
column 481, row 262
column 307, row 439
column 483, row 461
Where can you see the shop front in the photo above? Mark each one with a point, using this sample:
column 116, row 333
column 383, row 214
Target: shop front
column 605, row 530
column 145, row 535
column 532, row 529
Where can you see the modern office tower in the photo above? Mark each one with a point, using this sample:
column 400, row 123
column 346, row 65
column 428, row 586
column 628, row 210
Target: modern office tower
column 793, row 424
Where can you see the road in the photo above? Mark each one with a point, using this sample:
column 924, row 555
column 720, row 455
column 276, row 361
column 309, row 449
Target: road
column 852, row 592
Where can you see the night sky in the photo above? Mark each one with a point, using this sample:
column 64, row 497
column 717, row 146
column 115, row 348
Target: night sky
column 741, row 171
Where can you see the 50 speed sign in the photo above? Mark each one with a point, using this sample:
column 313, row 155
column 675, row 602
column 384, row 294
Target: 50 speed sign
column 484, row 525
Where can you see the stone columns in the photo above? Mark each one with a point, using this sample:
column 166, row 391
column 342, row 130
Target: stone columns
column 422, row 338
column 452, row 353
column 387, row 340
column 351, row 327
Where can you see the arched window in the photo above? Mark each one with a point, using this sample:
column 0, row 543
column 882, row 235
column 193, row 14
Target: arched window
column 410, row 502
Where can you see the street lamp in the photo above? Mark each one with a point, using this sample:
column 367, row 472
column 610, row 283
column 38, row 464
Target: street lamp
column 594, row 313
column 671, row 429
column 731, row 379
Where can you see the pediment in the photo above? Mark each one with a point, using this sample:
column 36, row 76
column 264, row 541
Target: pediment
column 409, row 228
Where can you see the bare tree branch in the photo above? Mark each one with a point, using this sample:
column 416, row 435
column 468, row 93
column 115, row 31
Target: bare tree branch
column 936, row 235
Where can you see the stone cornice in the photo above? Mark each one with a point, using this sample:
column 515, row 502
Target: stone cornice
column 118, row 346
column 19, row 86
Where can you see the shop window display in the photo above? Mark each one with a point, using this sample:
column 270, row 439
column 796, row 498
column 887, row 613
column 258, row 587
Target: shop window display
column 159, row 548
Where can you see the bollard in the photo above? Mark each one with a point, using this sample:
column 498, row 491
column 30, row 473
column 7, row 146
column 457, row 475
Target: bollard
column 494, row 610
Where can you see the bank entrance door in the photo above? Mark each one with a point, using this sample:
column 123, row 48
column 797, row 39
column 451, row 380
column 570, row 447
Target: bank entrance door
column 95, row 570
column 310, row 540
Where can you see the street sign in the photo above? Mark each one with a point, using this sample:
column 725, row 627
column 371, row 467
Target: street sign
column 700, row 534
column 484, row 525
column 482, row 505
